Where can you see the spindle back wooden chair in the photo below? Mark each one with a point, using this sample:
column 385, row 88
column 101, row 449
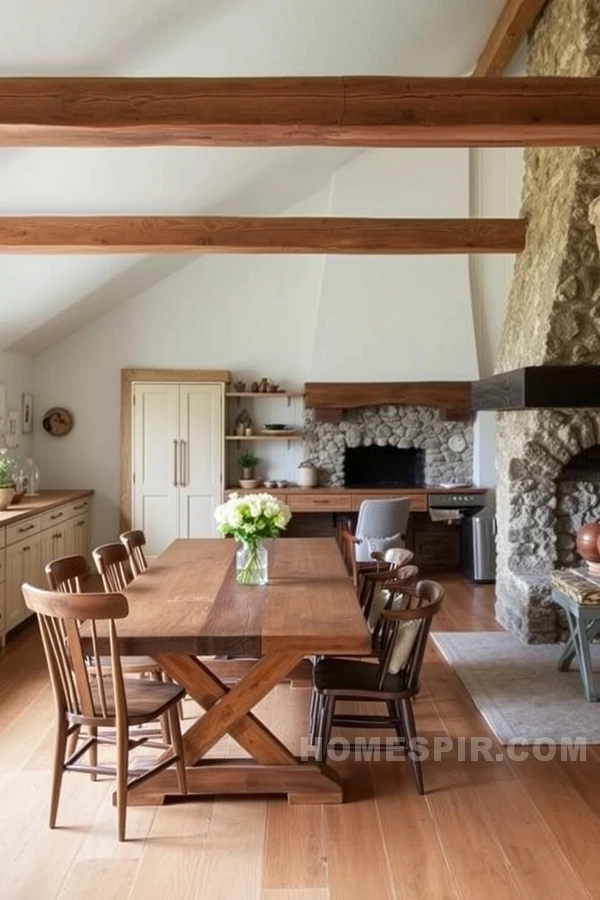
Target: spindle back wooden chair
column 112, row 562
column 86, row 695
column 402, row 633
column 69, row 574
column 134, row 542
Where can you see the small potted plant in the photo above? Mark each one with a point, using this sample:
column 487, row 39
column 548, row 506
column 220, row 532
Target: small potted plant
column 7, row 479
column 247, row 463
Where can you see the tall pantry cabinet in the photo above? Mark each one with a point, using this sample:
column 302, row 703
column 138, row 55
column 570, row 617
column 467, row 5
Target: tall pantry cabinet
column 177, row 460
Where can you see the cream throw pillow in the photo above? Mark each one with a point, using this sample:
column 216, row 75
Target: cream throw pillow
column 407, row 631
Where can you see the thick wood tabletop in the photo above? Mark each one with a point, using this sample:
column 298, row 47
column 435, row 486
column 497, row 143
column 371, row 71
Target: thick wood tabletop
column 188, row 601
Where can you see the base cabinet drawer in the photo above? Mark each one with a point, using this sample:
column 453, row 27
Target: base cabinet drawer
column 320, row 503
column 418, row 502
column 24, row 528
column 78, row 508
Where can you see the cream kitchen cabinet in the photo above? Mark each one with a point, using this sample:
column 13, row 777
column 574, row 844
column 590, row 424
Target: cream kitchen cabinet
column 55, row 525
column 77, row 540
column 23, row 564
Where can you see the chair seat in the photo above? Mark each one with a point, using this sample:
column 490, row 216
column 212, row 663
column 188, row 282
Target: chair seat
column 146, row 700
column 131, row 664
column 355, row 678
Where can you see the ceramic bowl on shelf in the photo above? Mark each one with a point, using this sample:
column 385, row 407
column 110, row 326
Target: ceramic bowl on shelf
column 269, row 484
column 249, row 483
column 282, row 483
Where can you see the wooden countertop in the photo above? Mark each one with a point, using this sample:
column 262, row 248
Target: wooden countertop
column 294, row 489
column 33, row 506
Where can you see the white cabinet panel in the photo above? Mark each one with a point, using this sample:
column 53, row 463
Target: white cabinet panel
column 155, row 491
column 201, row 453
column 177, row 460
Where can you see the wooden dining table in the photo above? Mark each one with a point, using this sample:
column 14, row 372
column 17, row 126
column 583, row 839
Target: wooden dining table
column 188, row 604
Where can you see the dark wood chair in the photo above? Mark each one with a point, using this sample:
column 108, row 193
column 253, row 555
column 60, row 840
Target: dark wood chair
column 393, row 558
column 371, row 588
column 401, row 636
column 85, row 696
column 134, row 542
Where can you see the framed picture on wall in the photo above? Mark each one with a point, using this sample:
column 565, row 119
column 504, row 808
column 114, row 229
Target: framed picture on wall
column 12, row 428
column 26, row 413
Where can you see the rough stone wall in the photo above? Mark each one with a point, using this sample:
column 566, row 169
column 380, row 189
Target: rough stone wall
column 553, row 317
column 399, row 426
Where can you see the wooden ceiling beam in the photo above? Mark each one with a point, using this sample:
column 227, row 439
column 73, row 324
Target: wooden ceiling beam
column 511, row 28
column 378, row 111
column 217, row 234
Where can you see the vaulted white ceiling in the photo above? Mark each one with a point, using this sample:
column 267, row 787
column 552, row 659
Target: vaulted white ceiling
column 43, row 298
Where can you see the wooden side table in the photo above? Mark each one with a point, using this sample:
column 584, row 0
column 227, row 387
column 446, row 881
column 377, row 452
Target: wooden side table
column 579, row 595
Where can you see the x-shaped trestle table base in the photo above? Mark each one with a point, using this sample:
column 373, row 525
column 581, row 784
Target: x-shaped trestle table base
column 273, row 769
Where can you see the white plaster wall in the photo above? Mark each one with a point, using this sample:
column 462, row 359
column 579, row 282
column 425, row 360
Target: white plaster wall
column 496, row 182
column 397, row 318
column 16, row 373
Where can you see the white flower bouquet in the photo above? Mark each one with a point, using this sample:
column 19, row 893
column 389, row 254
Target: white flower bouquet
column 252, row 519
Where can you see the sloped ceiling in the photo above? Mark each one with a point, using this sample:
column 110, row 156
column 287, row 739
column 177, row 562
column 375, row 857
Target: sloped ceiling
column 43, row 298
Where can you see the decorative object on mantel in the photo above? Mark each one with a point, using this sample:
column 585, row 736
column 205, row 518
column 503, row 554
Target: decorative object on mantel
column 239, row 386
column 26, row 413
column 252, row 520
column 308, row 475
column 587, row 541
column 58, row 421
column 247, row 463
column 243, row 422
column 7, row 479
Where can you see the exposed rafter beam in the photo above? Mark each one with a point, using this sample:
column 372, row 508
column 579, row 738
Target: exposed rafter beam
column 515, row 20
column 216, row 234
column 335, row 111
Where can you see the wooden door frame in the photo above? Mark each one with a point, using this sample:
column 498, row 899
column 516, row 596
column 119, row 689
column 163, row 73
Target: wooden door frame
column 129, row 377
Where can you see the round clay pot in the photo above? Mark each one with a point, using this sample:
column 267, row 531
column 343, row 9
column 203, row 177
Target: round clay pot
column 6, row 495
column 587, row 542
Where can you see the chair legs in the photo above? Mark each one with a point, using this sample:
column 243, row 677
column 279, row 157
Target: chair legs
column 93, row 733
column 400, row 712
column 325, row 725
column 408, row 721
column 122, row 776
column 60, row 747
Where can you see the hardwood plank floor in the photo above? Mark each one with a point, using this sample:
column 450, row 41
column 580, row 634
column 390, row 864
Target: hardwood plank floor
column 495, row 829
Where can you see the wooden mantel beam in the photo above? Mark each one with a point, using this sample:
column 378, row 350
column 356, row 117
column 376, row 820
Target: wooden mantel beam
column 377, row 111
column 217, row 234
column 512, row 25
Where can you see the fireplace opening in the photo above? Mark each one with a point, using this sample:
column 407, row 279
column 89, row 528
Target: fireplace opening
column 577, row 502
column 384, row 467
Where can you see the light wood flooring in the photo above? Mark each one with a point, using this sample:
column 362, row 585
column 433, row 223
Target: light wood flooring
column 483, row 831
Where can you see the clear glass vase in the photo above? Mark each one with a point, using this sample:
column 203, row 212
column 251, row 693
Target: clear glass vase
column 252, row 562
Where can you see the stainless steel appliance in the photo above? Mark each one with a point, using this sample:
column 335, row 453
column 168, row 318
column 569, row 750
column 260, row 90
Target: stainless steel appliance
column 478, row 531
column 478, row 552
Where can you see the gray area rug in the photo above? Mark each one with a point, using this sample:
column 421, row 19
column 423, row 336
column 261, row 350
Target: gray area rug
column 517, row 688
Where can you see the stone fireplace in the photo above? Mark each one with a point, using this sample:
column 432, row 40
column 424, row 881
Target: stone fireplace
column 548, row 460
column 419, row 427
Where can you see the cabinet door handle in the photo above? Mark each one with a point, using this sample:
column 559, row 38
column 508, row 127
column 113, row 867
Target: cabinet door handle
column 174, row 463
column 26, row 528
column 81, row 506
column 57, row 515
column 182, row 464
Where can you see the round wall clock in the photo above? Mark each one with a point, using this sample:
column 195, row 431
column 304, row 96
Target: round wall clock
column 457, row 443
column 57, row 421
